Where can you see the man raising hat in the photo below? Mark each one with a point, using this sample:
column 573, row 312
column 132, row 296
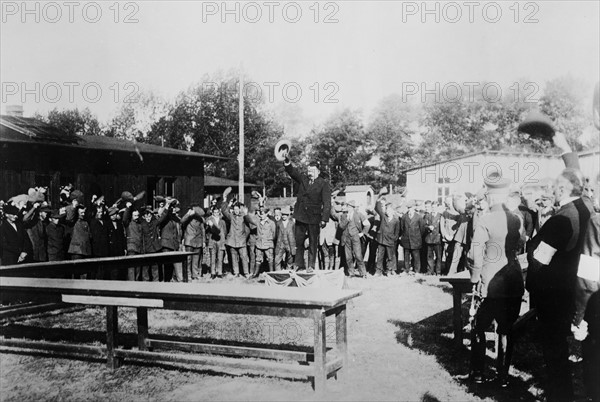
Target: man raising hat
column 311, row 213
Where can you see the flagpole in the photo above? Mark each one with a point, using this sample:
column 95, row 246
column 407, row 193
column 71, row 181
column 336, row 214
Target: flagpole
column 241, row 123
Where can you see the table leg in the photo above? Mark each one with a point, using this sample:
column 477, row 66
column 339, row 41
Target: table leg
column 457, row 316
column 341, row 335
column 142, row 323
column 112, row 336
column 184, row 269
column 320, row 350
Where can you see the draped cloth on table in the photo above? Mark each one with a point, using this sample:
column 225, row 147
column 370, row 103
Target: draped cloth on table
column 316, row 279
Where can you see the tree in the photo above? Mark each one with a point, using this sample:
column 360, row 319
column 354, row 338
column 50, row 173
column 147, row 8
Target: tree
column 74, row 121
column 208, row 113
column 340, row 147
column 390, row 135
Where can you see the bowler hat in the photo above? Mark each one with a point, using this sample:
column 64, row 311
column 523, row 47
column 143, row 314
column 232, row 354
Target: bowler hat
column 537, row 125
column 11, row 209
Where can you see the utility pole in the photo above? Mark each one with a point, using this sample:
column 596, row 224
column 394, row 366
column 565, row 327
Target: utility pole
column 241, row 123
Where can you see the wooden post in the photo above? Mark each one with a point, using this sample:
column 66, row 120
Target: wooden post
column 184, row 269
column 457, row 315
column 320, row 350
column 142, row 324
column 341, row 335
column 112, row 336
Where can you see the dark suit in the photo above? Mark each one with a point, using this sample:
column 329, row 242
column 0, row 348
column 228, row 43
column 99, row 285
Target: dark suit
column 387, row 237
column 412, row 230
column 13, row 243
column 117, row 243
column 313, row 205
column 433, row 243
column 551, row 285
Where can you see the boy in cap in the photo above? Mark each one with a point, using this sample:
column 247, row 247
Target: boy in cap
column 285, row 249
column 496, row 277
column 216, row 233
column 238, row 232
column 134, row 238
column 194, row 237
column 265, row 239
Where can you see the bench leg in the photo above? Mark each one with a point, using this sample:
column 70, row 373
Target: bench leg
column 112, row 336
column 320, row 351
column 142, row 324
column 457, row 316
column 341, row 336
column 184, row 269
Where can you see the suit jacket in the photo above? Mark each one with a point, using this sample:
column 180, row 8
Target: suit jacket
column 117, row 243
column 170, row 232
column 238, row 230
column 432, row 236
column 194, row 234
column 360, row 224
column 412, row 230
column 13, row 243
column 556, row 279
column 81, row 238
column 389, row 228
column 265, row 232
column 135, row 242
column 99, row 237
column 286, row 236
column 313, row 202
column 56, row 240
column 217, row 232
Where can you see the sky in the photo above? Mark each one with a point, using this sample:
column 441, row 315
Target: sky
column 305, row 59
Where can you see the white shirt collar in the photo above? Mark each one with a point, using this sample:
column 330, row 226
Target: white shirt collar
column 567, row 200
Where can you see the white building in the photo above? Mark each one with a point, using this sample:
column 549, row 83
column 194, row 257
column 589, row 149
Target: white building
column 439, row 179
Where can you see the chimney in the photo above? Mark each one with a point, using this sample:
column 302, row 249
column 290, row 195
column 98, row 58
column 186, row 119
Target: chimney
column 14, row 110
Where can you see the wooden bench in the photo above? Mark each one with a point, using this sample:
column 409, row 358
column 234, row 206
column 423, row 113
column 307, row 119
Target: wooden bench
column 316, row 304
column 61, row 268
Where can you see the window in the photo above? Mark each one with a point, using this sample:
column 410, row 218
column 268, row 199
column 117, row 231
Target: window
column 169, row 186
column 443, row 189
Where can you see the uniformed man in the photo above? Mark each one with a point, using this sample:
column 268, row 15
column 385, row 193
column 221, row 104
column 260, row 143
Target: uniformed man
column 496, row 275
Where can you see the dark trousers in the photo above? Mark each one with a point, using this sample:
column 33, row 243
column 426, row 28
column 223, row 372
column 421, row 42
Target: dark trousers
column 434, row 259
column 327, row 256
column 303, row 230
column 353, row 248
column 590, row 348
column 390, row 262
column 416, row 259
column 554, row 317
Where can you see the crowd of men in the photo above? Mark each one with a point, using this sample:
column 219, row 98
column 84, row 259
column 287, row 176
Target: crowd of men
column 484, row 232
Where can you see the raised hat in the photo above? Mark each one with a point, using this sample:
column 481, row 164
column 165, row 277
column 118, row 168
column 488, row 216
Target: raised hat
column 113, row 211
column 537, row 125
column 11, row 209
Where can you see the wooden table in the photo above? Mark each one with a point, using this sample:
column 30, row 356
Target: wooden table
column 461, row 283
column 316, row 304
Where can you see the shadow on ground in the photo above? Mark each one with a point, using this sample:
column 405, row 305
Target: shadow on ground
column 433, row 336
